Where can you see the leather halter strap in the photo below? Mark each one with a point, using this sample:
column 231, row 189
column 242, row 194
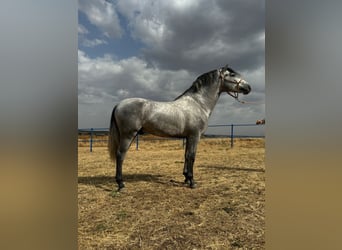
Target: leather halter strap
column 235, row 95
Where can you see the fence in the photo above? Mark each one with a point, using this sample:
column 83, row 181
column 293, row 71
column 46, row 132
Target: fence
column 232, row 127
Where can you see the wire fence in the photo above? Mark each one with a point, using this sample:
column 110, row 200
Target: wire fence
column 93, row 136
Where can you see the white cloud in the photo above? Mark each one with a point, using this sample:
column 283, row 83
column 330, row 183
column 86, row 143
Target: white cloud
column 197, row 35
column 256, row 78
column 89, row 95
column 123, row 93
column 102, row 14
column 183, row 4
column 148, row 19
column 93, row 43
column 82, row 30
column 127, row 78
column 98, row 69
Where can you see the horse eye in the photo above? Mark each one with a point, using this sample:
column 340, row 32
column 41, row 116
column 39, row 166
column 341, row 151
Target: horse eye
column 232, row 74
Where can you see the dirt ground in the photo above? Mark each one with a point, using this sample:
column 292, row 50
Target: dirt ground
column 156, row 211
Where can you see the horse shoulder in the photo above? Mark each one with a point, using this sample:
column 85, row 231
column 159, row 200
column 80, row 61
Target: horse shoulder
column 196, row 118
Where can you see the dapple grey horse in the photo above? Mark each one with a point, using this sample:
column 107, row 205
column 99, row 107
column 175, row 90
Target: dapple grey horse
column 185, row 117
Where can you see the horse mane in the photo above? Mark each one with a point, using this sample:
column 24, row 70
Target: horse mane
column 201, row 82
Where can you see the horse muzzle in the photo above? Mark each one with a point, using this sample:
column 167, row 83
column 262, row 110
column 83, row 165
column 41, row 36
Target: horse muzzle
column 245, row 88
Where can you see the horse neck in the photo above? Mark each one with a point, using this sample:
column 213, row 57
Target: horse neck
column 208, row 99
column 206, row 96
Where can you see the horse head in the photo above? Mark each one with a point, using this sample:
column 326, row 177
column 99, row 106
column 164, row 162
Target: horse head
column 232, row 82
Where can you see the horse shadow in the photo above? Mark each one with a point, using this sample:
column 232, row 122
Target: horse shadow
column 220, row 167
column 105, row 182
column 108, row 182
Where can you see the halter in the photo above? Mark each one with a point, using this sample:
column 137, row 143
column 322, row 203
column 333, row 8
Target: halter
column 235, row 95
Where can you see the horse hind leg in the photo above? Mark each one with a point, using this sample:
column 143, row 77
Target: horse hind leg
column 185, row 173
column 120, row 157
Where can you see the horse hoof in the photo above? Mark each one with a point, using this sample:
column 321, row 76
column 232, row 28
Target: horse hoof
column 121, row 187
column 193, row 185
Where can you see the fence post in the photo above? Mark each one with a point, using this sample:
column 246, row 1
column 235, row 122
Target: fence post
column 232, row 136
column 91, row 139
column 137, row 142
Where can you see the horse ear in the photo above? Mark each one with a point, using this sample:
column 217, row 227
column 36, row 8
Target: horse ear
column 225, row 67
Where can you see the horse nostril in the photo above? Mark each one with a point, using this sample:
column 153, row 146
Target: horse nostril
column 247, row 90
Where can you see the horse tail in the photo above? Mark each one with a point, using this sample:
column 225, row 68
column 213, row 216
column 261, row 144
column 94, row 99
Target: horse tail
column 114, row 136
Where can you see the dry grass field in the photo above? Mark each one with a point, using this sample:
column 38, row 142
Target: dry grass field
column 156, row 211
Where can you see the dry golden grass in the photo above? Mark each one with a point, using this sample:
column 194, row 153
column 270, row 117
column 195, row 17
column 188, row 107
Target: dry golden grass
column 156, row 211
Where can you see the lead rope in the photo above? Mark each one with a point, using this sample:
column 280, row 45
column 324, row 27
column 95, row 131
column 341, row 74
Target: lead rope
column 236, row 97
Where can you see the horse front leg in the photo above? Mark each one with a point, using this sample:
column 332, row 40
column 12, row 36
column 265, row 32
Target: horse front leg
column 190, row 154
column 185, row 171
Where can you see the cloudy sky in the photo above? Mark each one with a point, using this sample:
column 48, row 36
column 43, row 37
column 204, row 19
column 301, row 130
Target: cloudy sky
column 156, row 49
